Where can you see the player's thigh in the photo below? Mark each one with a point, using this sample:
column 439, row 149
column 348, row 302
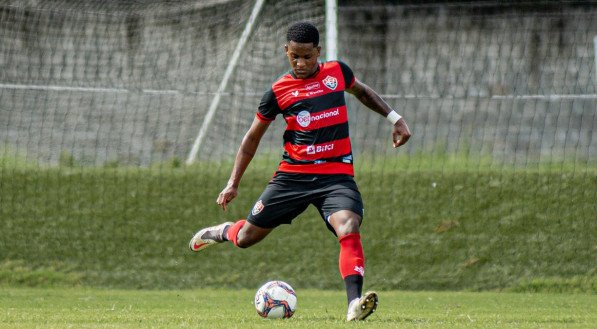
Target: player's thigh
column 278, row 204
column 340, row 197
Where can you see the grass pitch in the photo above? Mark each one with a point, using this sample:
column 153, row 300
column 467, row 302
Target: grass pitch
column 209, row 308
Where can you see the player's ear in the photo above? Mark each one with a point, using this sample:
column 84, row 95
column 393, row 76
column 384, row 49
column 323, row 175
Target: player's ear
column 318, row 50
column 286, row 48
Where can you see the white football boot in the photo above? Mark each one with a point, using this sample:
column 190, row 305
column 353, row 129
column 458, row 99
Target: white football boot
column 208, row 236
column 360, row 308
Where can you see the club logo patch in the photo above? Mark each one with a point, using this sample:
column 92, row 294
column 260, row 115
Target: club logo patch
column 295, row 93
column 330, row 82
column 257, row 208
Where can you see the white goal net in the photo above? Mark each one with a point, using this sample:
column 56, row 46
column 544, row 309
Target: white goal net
column 131, row 82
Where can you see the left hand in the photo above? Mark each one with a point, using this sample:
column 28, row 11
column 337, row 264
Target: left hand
column 401, row 133
column 228, row 193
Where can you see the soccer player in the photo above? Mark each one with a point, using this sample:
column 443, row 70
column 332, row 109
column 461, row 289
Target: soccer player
column 317, row 164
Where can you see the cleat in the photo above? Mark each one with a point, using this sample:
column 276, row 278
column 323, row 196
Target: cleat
column 361, row 308
column 208, row 236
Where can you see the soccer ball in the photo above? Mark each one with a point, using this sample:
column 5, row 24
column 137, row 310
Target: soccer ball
column 275, row 300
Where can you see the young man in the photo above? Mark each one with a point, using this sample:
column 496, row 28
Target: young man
column 317, row 164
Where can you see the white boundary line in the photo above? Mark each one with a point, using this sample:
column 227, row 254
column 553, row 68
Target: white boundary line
column 63, row 88
column 257, row 94
column 549, row 97
column 117, row 90
column 495, row 97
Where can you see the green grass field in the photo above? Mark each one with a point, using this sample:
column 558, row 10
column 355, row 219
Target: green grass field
column 206, row 308
column 107, row 248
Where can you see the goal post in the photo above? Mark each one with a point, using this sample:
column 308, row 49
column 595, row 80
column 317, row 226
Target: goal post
column 331, row 29
column 595, row 55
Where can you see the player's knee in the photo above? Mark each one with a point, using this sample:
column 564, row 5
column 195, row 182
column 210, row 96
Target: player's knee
column 244, row 243
column 349, row 225
column 245, row 240
column 353, row 224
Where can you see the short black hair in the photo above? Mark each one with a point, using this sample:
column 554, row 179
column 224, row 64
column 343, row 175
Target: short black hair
column 303, row 32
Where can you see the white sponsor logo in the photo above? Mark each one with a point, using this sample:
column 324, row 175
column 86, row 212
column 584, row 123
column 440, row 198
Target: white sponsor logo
column 304, row 118
column 312, row 85
column 360, row 269
column 311, row 93
column 295, row 93
column 330, row 82
column 312, row 149
column 323, row 148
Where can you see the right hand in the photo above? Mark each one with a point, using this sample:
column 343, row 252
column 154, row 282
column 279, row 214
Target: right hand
column 401, row 133
column 228, row 193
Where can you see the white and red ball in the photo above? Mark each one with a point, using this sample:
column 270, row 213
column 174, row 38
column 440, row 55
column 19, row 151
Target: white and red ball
column 275, row 300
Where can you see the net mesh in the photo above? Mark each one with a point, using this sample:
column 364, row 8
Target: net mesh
column 515, row 84
column 130, row 82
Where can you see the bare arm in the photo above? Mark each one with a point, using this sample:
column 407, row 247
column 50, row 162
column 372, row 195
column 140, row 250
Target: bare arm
column 245, row 154
column 373, row 101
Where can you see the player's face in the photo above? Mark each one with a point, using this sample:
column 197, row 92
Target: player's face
column 303, row 58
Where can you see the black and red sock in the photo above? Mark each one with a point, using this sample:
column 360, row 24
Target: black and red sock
column 231, row 233
column 352, row 264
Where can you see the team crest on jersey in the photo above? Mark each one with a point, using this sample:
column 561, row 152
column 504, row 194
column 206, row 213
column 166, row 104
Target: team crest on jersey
column 330, row 82
column 257, row 208
column 295, row 93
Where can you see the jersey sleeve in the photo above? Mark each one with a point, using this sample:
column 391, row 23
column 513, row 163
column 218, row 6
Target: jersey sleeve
column 348, row 75
column 268, row 107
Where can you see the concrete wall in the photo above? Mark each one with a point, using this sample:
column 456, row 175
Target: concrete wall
column 518, row 83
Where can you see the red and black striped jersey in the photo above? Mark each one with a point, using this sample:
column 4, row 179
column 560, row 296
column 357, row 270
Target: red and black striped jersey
column 316, row 139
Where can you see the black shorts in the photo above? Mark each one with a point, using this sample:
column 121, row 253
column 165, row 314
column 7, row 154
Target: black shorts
column 288, row 195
